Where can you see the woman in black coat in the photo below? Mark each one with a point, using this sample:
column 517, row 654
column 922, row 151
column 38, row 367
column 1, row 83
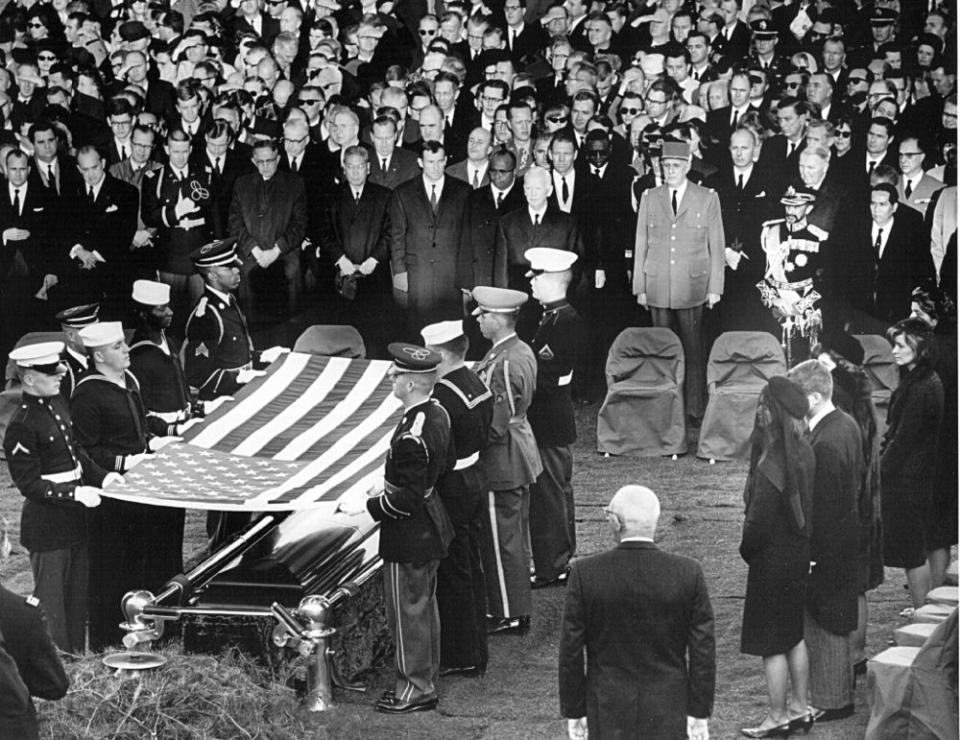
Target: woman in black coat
column 908, row 455
column 776, row 546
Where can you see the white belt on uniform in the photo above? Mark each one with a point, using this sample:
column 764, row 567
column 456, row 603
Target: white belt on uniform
column 565, row 379
column 170, row 417
column 68, row 476
column 466, row 462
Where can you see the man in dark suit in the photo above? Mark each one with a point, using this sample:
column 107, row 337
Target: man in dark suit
column 225, row 164
column 51, row 171
column 645, row 620
column 392, row 165
column 268, row 219
column 735, row 33
column 427, row 220
column 781, row 154
column 357, row 243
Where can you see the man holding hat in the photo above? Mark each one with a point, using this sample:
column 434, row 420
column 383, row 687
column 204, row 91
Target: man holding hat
column 679, row 262
column 461, row 594
column 57, row 479
column 111, row 424
column 556, row 346
column 511, row 462
column 414, row 528
column 74, row 357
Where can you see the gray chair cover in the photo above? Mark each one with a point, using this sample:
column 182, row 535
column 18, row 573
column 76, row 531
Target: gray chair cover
column 882, row 373
column 643, row 411
column 332, row 341
column 740, row 365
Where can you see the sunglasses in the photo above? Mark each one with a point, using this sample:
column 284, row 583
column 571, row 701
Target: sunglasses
column 631, row 111
column 35, row 25
column 46, row 58
column 844, row 134
column 856, row 80
column 793, row 84
column 314, row 101
column 427, row 32
column 557, row 119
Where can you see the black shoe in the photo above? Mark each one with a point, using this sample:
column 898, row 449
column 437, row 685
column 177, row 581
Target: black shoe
column 560, row 580
column 516, row 625
column 829, row 715
column 776, row 731
column 470, row 671
column 803, row 723
column 390, row 705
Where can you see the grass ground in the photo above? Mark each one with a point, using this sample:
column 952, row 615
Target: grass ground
column 702, row 518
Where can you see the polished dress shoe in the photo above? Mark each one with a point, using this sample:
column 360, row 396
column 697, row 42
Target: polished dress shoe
column 517, row 625
column 803, row 723
column 560, row 580
column 775, row 731
column 829, row 715
column 470, row 671
column 389, row 704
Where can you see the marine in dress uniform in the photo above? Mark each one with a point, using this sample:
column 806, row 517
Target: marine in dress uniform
column 510, row 462
column 556, row 346
column 50, row 469
column 74, row 357
column 414, row 529
column 461, row 593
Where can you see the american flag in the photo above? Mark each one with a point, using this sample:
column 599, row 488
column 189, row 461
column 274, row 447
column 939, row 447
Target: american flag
column 311, row 431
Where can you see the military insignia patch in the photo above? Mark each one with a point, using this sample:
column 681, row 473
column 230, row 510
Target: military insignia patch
column 32, row 601
column 201, row 350
column 18, row 447
column 545, row 352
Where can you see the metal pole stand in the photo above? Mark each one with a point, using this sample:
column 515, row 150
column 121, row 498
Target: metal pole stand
column 141, row 633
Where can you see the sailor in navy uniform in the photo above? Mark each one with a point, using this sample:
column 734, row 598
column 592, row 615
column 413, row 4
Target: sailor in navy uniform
column 72, row 320
column 110, row 422
column 510, row 462
column 414, row 528
column 556, row 345
column 50, row 469
column 461, row 593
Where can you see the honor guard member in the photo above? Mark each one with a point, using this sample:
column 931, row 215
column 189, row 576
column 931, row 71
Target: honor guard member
column 414, row 528
column 29, row 662
column 556, row 345
column 72, row 320
column 461, row 594
column 510, row 462
column 50, row 469
column 111, row 424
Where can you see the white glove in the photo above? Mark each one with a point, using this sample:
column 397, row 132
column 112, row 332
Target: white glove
column 697, row 729
column 131, row 461
column 210, row 406
column 112, row 479
column 185, row 425
column 351, row 507
column 87, row 495
column 577, row 729
column 272, row 353
column 245, row 376
column 400, row 282
column 733, row 257
column 184, row 207
column 599, row 279
column 377, row 488
column 158, row 443
column 346, row 266
column 368, row 266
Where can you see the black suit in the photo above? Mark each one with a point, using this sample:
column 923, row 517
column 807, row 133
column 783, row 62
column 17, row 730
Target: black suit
column 737, row 46
column 401, row 167
column 484, row 216
column 233, row 165
column 783, row 169
column 645, row 620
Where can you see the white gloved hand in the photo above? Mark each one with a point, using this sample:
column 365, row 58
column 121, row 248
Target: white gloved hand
column 131, row 461
column 184, row 207
column 599, row 279
column 272, row 353
column 245, row 376
column 87, row 495
column 112, row 479
column 732, row 257
column 158, row 443
column 210, row 406
column 577, row 728
column 351, row 507
column 697, row 729
column 368, row 266
column 185, row 425
column 346, row 266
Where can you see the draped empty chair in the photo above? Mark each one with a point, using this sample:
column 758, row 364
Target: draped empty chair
column 882, row 373
column 740, row 364
column 643, row 411
column 331, row 340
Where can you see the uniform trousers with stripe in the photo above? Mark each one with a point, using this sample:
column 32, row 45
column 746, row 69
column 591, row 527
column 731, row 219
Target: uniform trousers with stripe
column 60, row 580
column 688, row 325
column 505, row 553
column 461, row 593
column 551, row 513
column 831, row 666
column 410, row 590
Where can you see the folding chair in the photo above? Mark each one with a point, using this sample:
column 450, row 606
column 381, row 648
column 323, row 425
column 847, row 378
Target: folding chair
column 882, row 373
column 643, row 411
column 740, row 364
column 331, row 340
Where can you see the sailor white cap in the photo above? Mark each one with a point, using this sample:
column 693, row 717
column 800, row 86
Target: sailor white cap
column 151, row 293
column 547, row 259
column 441, row 332
column 44, row 356
column 98, row 335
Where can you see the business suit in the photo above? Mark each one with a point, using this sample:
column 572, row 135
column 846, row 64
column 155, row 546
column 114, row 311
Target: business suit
column 921, row 195
column 402, row 167
column 678, row 262
column 783, row 169
column 463, row 172
column 66, row 177
column 233, row 164
column 320, row 187
column 645, row 620
column 483, row 217
column 145, row 258
column 426, row 246
column 357, row 231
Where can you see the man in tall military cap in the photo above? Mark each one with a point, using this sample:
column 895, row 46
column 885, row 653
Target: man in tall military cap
column 415, row 530
column 511, row 462
column 74, row 357
column 461, row 594
column 764, row 56
column 57, row 479
column 556, row 346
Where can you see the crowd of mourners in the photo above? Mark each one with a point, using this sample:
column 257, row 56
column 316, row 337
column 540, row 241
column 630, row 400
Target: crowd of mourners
column 199, row 172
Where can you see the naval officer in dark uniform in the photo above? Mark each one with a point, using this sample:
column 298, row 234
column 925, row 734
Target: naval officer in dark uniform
column 414, row 528
column 556, row 345
column 57, row 479
column 74, row 358
column 461, row 593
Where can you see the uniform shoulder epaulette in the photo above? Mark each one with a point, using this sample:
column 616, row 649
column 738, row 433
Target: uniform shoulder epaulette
column 818, row 232
column 774, row 222
column 32, row 601
column 201, row 307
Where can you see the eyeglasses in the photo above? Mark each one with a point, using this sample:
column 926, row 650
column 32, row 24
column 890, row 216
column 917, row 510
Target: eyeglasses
column 653, row 101
column 488, row 99
column 295, row 141
column 428, row 32
column 263, row 162
column 844, row 134
column 309, row 101
column 35, row 24
column 905, row 155
column 557, row 119
column 632, row 111
column 46, row 57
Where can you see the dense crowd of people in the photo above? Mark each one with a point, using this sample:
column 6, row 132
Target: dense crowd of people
column 420, row 170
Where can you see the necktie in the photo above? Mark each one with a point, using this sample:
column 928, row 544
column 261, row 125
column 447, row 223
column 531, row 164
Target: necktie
column 383, row 164
column 293, row 165
column 476, row 179
column 433, row 198
column 565, row 190
column 218, row 165
column 790, row 148
column 123, row 152
column 356, row 198
column 870, row 166
column 16, row 201
column 909, row 189
column 90, row 195
column 878, row 244
column 673, row 202
column 52, row 179
column 536, row 219
column 499, row 200
column 736, row 117
column 740, row 181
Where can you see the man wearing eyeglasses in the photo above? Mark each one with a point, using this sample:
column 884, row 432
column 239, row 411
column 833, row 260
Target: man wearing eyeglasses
column 916, row 188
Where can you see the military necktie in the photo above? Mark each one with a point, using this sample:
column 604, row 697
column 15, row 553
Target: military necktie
column 673, row 202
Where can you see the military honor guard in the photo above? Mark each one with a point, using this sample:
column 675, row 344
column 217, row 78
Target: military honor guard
column 74, row 358
column 794, row 275
column 414, row 528
column 511, row 462
column 58, row 480
column 461, row 593
column 556, row 345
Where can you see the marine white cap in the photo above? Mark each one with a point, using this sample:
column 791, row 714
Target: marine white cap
column 151, row 293
column 99, row 335
column 41, row 353
column 547, row 259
